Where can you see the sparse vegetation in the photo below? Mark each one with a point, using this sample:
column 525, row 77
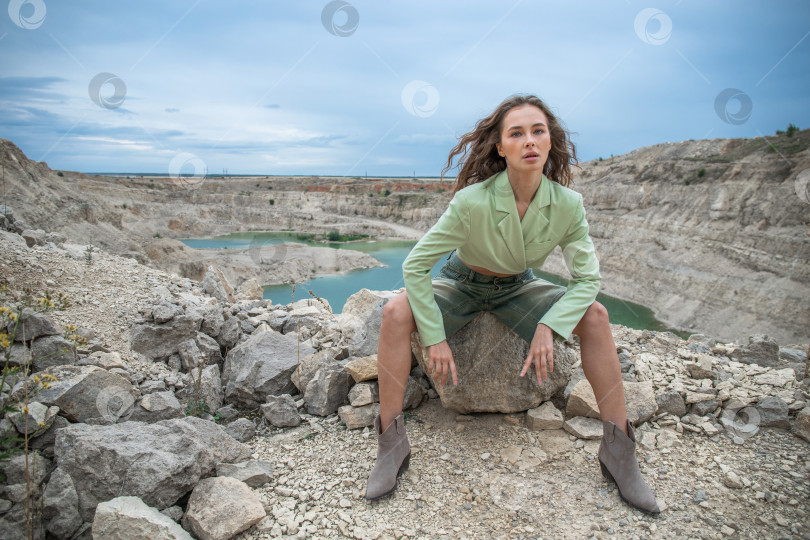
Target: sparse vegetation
column 60, row 173
column 88, row 254
column 791, row 129
column 156, row 235
column 335, row 236
column 439, row 190
column 701, row 172
column 272, row 202
column 386, row 193
column 197, row 405
column 15, row 308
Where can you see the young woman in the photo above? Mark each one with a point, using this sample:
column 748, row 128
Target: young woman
column 510, row 208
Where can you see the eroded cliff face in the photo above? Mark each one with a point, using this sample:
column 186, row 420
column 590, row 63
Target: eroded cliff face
column 721, row 252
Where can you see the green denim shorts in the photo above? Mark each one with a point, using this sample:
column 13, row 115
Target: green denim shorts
column 519, row 301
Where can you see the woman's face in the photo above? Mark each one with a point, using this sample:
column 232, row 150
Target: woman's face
column 525, row 139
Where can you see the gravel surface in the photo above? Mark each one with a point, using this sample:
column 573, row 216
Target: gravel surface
column 464, row 482
column 106, row 296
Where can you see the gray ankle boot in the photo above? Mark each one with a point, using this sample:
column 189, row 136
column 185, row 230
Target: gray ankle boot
column 393, row 458
column 617, row 458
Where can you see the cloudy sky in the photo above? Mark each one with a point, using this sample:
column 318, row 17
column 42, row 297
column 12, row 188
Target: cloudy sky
column 380, row 87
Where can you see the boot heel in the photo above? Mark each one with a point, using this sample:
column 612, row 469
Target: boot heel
column 405, row 463
column 606, row 473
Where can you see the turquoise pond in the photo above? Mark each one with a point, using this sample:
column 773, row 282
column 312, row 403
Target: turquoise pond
column 336, row 289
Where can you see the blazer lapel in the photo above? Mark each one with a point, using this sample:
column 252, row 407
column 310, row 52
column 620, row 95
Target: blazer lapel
column 506, row 217
column 535, row 221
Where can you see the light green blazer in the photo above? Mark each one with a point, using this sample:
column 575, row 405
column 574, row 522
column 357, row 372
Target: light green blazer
column 482, row 223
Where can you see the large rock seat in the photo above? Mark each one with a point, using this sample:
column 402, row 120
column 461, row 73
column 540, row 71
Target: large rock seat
column 489, row 357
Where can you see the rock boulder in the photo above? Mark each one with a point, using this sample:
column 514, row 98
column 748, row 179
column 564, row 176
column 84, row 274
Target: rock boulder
column 261, row 366
column 488, row 357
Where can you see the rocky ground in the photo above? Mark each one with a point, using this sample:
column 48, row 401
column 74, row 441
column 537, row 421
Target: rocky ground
column 464, row 482
column 481, row 475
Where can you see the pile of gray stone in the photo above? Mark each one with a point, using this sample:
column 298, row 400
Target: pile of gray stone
column 9, row 222
column 162, row 452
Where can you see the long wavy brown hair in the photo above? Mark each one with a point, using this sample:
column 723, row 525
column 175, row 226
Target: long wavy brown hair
column 478, row 159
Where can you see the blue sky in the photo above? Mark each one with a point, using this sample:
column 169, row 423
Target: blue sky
column 383, row 88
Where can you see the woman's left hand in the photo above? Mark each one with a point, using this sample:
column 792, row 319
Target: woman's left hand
column 541, row 354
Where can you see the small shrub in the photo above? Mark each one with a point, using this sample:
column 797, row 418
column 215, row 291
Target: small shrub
column 333, row 236
column 197, row 408
column 197, row 405
column 60, row 174
column 791, row 129
column 124, row 206
column 701, row 172
column 440, row 190
column 687, row 181
column 15, row 307
column 88, row 254
column 386, row 193
column 156, row 235
column 272, row 202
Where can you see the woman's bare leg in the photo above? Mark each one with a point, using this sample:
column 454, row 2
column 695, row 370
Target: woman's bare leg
column 394, row 356
column 601, row 364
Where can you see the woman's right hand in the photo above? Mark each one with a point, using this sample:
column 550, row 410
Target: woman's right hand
column 440, row 362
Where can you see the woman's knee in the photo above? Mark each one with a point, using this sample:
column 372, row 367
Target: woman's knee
column 595, row 316
column 398, row 312
column 598, row 313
